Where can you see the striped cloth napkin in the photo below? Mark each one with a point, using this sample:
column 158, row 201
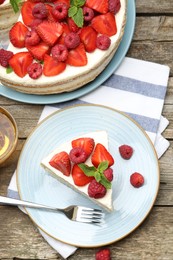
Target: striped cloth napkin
column 137, row 88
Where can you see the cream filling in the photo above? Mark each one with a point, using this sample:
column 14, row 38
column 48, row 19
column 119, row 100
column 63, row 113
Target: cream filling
column 70, row 72
column 99, row 137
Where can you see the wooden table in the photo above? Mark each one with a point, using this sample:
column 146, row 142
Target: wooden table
column 19, row 238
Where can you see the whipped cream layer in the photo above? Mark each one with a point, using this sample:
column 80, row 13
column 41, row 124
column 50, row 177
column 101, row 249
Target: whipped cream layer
column 99, row 137
column 96, row 59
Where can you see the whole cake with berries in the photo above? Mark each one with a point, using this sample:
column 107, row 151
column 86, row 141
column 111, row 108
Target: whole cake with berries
column 60, row 45
column 85, row 165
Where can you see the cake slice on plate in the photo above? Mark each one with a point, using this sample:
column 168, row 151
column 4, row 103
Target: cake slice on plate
column 84, row 164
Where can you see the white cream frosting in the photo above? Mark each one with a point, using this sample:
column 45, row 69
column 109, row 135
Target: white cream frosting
column 99, row 137
column 71, row 72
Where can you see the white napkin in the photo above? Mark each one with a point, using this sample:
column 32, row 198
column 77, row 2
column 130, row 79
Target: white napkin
column 137, row 88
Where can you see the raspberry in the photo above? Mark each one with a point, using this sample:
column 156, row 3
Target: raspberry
column 136, row 179
column 1, row 2
column 72, row 40
column 103, row 42
column 77, row 155
column 5, row 56
column 32, row 38
column 59, row 52
column 126, row 151
column 35, row 23
column 114, row 6
column 35, row 70
column 88, row 13
column 40, row 11
column 60, row 11
column 108, row 174
column 103, row 254
column 96, row 190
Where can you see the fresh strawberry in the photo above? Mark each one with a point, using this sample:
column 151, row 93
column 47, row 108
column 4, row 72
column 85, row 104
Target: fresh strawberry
column 17, row 35
column 50, row 16
column 73, row 27
column 52, row 67
column 66, row 30
column 100, row 6
column 61, row 162
column 77, row 56
column 49, row 32
column 38, row 51
column 20, row 62
column 105, row 24
column 88, row 37
column 86, row 143
column 26, row 12
column 101, row 154
column 79, row 177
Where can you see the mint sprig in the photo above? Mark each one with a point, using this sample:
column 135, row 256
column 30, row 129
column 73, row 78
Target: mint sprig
column 97, row 173
column 15, row 5
column 76, row 13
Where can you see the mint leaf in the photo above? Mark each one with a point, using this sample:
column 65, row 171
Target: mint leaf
column 15, row 5
column 106, row 183
column 77, row 3
column 103, row 166
column 88, row 170
column 9, row 70
column 97, row 176
column 78, row 18
column 72, row 11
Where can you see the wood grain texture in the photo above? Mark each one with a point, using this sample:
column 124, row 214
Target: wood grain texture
column 153, row 240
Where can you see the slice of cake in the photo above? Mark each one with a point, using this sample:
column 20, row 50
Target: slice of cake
column 84, row 164
column 61, row 46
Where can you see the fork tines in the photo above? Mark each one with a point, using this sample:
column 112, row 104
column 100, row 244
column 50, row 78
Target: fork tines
column 89, row 215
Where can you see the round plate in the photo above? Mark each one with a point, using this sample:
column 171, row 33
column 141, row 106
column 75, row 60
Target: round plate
column 131, row 205
column 113, row 65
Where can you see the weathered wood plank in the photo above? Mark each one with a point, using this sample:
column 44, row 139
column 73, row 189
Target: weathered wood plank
column 154, row 6
column 152, row 240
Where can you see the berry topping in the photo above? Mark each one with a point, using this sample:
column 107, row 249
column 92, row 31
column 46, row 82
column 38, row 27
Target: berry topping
column 96, row 190
column 137, row 180
column 77, row 155
column 20, row 62
column 101, row 154
column 35, row 23
column 108, row 174
column 103, row 42
column 26, row 12
column 2, row 1
column 72, row 40
column 73, row 27
column 100, row 6
column 114, row 6
column 77, row 56
column 52, row 67
column 88, row 13
column 79, row 178
column 17, row 34
column 32, row 38
column 38, row 51
column 103, row 254
column 61, row 162
column 60, row 11
column 59, row 52
column 86, row 143
column 5, row 56
column 105, row 24
column 88, row 37
column 35, row 70
column 40, row 11
column 126, row 151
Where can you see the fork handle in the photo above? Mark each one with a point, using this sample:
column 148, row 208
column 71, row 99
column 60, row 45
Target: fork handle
column 16, row 202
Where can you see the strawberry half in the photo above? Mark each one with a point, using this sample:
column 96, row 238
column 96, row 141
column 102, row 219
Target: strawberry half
column 49, row 32
column 38, row 51
column 101, row 154
column 86, row 143
column 88, row 37
column 17, row 35
column 105, row 24
column 77, row 56
column 26, row 12
column 61, row 162
column 100, row 6
column 52, row 67
column 20, row 62
column 79, row 177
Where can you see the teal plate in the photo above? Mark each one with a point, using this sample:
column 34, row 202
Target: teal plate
column 131, row 205
column 113, row 65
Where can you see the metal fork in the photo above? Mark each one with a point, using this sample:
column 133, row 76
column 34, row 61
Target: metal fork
column 76, row 213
